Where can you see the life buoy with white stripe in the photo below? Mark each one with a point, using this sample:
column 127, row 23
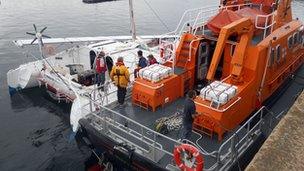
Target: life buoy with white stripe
column 196, row 159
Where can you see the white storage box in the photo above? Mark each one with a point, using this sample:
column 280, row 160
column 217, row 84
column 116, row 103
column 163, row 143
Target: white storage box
column 155, row 72
column 218, row 92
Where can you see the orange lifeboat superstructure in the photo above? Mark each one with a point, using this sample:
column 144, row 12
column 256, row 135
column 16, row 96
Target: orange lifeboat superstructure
column 244, row 67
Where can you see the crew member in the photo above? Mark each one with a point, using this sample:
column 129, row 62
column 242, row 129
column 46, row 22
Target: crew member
column 188, row 114
column 151, row 60
column 121, row 77
column 100, row 68
column 142, row 62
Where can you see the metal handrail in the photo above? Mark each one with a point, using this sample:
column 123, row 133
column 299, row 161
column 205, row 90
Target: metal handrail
column 199, row 11
column 201, row 17
column 239, row 6
column 110, row 121
column 187, row 12
column 266, row 25
column 142, row 127
column 241, row 143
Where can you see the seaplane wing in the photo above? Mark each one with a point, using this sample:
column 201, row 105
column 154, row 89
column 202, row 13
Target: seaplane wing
column 21, row 43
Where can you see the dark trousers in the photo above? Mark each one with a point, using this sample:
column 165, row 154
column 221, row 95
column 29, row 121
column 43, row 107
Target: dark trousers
column 187, row 130
column 100, row 78
column 121, row 94
column 136, row 72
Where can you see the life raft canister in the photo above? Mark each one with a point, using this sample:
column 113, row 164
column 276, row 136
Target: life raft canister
column 192, row 152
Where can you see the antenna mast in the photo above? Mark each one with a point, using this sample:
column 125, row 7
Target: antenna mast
column 132, row 21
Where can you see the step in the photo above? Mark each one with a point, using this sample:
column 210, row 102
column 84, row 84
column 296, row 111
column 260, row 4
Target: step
column 183, row 57
column 182, row 60
column 186, row 48
column 187, row 41
column 187, row 79
column 184, row 53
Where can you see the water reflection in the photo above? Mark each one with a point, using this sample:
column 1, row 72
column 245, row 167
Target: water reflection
column 38, row 97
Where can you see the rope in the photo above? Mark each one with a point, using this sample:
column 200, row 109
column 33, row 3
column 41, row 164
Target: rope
column 165, row 124
column 164, row 24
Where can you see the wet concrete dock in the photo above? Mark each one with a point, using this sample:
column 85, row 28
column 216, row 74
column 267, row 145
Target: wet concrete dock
column 284, row 148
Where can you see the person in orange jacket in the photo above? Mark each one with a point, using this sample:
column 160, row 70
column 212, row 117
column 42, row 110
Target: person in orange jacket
column 121, row 77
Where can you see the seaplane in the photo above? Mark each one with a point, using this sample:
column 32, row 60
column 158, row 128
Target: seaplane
column 69, row 74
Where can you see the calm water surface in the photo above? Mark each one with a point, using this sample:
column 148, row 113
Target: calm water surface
column 34, row 129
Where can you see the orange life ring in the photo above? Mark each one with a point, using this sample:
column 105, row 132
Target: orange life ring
column 193, row 151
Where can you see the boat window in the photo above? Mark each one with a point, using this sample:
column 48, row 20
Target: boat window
column 295, row 38
column 299, row 37
column 204, row 48
column 203, row 53
column 283, row 53
column 278, row 52
column 271, row 57
column 232, row 48
column 290, row 41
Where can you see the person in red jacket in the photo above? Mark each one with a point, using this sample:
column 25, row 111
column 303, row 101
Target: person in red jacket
column 151, row 60
column 100, row 68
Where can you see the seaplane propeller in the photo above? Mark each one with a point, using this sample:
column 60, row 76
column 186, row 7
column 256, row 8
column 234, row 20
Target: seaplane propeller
column 38, row 35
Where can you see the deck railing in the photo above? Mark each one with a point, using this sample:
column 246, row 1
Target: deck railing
column 194, row 21
column 267, row 28
column 237, row 144
column 122, row 129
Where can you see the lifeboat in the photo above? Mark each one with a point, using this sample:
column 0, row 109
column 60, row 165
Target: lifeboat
column 237, row 60
column 247, row 56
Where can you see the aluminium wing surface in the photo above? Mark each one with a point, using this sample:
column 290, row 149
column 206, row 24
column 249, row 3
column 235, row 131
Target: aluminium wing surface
column 21, row 43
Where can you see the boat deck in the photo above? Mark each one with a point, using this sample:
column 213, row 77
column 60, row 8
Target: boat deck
column 148, row 119
column 134, row 115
